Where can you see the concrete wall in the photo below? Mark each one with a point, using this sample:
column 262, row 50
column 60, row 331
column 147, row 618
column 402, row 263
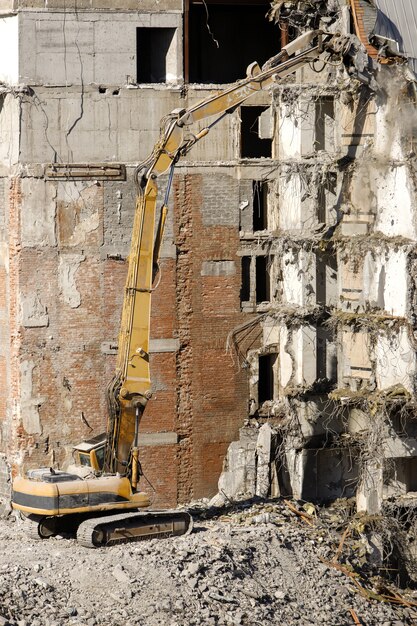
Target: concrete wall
column 9, row 6
column 90, row 47
column 120, row 124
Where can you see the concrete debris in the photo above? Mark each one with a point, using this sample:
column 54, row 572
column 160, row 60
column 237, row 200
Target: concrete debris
column 247, row 466
column 256, row 563
column 305, row 14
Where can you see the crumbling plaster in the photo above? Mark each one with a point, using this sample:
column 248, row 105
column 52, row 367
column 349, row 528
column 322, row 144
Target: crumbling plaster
column 67, row 270
column 29, row 400
column 360, row 297
column 38, row 213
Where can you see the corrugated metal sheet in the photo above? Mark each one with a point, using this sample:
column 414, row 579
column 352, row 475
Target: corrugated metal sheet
column 397, row 19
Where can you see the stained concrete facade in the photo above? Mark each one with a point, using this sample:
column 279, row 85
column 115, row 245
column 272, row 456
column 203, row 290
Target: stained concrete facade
column 296, row 250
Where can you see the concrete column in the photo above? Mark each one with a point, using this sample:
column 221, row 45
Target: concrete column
column 369, row 493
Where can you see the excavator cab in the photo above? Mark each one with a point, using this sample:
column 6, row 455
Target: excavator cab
column 90, row 453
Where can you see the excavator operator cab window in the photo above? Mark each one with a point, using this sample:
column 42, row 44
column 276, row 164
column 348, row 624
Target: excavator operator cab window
column 99, row 454
column 84, row 459
column 91, row 453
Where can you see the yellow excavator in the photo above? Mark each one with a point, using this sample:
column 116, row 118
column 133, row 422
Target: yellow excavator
column 102, row 503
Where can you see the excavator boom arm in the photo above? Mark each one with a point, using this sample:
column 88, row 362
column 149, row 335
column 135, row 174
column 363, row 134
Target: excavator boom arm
column 131, row 387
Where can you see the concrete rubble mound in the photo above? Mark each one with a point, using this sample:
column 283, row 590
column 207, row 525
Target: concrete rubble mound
column 253, row 563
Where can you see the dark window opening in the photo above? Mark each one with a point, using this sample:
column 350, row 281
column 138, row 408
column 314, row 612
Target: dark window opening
column 152, row 45
column 245, row 284
column 352, row 27
column 216, row 31
column 404, row 425
column 319, row 465
column 260, row 207
column 400, row 475
column 251, row 145
column 326, row 360
column 324, row 124
column 266, row 378
column 321, row 369
column 326, row 197
column 263, row 281
column 326, row 278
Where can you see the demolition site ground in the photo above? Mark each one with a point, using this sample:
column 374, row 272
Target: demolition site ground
column 256, row 563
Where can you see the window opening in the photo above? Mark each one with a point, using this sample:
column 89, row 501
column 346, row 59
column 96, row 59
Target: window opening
column 245, row 284
column 319, row 464
column 400, row 475
column 263, row 281
column 326, row 278
column 324, row 124
column 251, row 145
column 215, row 35
column 326, row 360
column 266, row 378
column 152, row 47
column 326, row 197
column 260, row 206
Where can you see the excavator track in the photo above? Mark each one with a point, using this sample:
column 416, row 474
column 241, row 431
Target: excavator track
column 38, row 527
column 116, row 529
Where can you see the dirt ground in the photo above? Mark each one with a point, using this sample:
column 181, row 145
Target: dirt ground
column 254, row 564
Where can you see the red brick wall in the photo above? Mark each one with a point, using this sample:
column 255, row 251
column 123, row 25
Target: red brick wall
column 12, row 393
column 197, row 391
column 212, row 394
column 4, row 330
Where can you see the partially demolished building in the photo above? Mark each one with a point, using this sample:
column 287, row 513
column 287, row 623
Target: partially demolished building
column 334, row 378
column 291, row 242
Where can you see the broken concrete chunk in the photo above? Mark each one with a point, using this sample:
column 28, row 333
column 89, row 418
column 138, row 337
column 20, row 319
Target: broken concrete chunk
column 263, row 454
column 120, row 575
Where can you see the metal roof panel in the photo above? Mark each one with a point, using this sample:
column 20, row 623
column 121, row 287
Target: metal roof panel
column 397, row 20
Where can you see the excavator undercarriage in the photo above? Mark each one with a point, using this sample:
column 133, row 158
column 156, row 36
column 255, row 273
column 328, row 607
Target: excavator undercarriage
column 109, row 530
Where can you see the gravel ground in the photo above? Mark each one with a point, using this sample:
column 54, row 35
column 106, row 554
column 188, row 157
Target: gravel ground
column 257, row 564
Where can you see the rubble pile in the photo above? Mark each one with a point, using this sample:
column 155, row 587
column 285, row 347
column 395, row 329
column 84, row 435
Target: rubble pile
column 255, row 563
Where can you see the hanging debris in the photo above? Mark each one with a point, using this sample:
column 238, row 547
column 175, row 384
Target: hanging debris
column 304, row 14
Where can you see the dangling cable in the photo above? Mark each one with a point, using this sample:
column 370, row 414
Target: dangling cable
column 169, row 183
